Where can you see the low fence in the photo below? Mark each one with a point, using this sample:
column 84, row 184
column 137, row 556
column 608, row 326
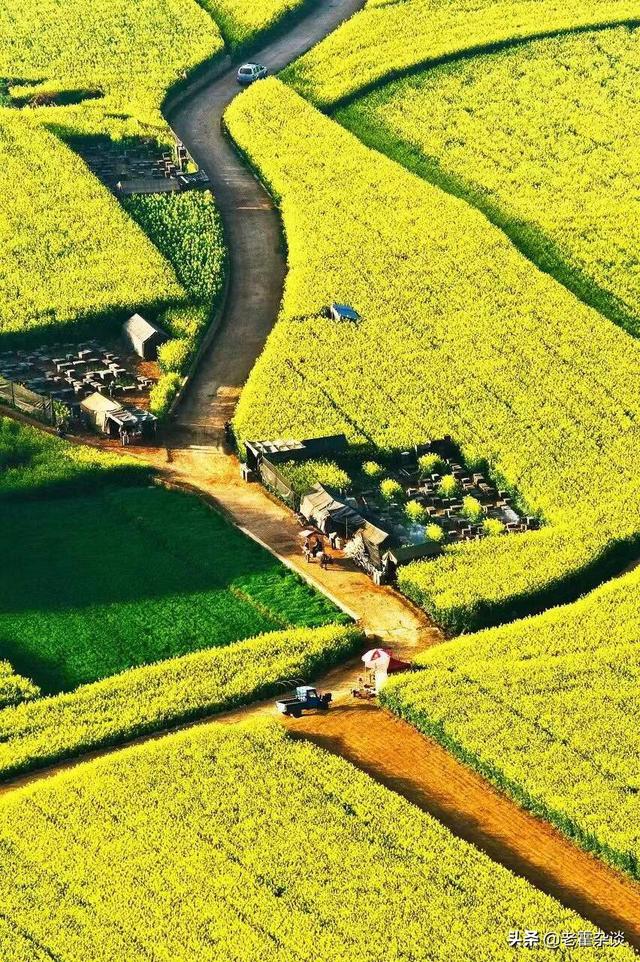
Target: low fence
column 22, row 399
column 274, row 481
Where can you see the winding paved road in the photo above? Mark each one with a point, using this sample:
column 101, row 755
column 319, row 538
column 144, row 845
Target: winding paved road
column 252, row 225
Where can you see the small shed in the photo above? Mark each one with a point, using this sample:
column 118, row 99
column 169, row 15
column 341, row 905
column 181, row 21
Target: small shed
column 144, row 337
column 291, row 450
column 375, row 542
column 109, row 417
column 342, row 312
column 275, row 451
column 147, row 185
column 97, row 409
column 326, row 511
column 198, row 180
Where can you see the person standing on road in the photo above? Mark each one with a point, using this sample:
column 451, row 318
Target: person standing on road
column 306, row 549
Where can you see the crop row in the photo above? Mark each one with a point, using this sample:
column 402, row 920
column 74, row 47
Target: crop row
column 549, row 709
column 153, row 697
column 385, row 40
column 460, row 335
column 187, row 229
column 539, row 138
column 251, row 846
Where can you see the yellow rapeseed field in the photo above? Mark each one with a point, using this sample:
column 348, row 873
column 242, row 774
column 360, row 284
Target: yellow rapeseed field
column 65, row 243
column 544, row 139
column 242, row 21
column 549, row 709
column 67, row 251
column 129, row 52
column 460, row 335
column 152, row 697
column 237, row 844
column 386, row 39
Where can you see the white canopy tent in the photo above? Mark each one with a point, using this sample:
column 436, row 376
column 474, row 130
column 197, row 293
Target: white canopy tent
column 381, row 663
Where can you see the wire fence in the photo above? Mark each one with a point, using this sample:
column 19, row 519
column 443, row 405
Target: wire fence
column 273, row 480
column 22, row 399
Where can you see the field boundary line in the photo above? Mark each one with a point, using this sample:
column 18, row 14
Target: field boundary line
column 467, row 53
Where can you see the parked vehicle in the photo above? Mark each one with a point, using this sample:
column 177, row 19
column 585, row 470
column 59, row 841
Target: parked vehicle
column 305, row 698
column 249, row 72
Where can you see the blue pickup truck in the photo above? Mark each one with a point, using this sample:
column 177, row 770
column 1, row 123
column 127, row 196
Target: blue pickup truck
column 305, row 699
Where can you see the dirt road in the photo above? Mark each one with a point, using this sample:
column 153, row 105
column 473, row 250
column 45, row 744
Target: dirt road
column 382, row 611
column 420, row 770
column 252, row 226
column 416, row 767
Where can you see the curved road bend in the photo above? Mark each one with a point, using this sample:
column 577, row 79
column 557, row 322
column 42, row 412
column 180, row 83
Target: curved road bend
column 252, row 225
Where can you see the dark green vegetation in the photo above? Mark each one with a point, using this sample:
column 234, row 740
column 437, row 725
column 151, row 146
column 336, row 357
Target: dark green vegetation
column 36, row 465
column 125, row 577
column 187, row 229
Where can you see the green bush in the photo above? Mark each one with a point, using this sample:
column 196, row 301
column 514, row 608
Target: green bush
column 188, row 322
column 391, row 490
column 472, row 509
column 303, row 475
column 162, row 394
column 430, row 464
column 173, row 355
column 448, row 487
column 15, row 688
column 415, row 512
column 434, row 532
column 372, row 469
column 493, row 527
